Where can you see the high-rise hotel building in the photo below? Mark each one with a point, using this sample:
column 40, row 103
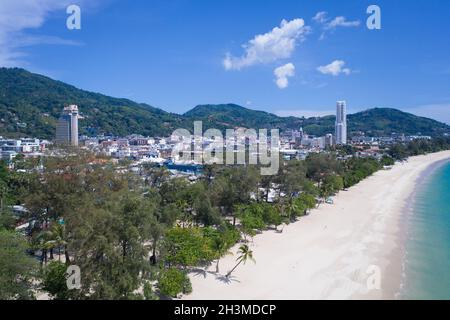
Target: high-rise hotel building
column 341, row 123
column 67, row 126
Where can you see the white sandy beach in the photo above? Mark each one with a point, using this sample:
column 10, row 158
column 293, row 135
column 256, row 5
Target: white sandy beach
column 326, row 255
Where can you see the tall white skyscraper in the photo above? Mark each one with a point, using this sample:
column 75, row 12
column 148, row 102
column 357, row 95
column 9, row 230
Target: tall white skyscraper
column 341, row 122
column 67, row 126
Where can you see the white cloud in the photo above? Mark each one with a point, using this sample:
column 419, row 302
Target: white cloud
column 282, row 74
column 330, row 26
column 277, row 44
column 335, row 68
column 321, row 17
column 341, row 22
column 16, row 18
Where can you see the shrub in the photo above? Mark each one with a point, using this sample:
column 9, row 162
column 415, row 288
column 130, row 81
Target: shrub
column 173, row 281
column 54, row 280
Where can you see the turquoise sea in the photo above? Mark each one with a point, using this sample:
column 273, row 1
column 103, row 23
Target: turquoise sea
column 427, row 246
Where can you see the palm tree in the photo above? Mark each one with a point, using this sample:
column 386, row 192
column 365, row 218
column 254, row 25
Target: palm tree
column 220, row 247
column 292, row 210
column 44, row 242
column 52, row 238
column 245, row 254
column 58, row 235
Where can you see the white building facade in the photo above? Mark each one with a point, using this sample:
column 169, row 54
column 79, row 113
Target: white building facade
column 341, row 123
column 67, row 126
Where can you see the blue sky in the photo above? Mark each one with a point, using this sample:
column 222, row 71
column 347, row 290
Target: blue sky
column 175, row 54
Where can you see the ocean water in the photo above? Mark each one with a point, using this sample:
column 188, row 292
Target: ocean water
column 427, row 246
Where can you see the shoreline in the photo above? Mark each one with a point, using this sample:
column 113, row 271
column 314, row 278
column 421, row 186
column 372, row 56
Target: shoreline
column 397, row 264
column 409, row 213
column 331, row 253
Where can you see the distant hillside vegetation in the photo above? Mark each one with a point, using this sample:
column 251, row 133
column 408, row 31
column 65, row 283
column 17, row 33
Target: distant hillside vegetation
column 376, row 122
column 30, row 104
column 384, row 121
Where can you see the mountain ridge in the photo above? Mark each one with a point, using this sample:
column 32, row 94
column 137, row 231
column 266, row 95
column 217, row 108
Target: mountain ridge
column 375, row 121
column 31, row 103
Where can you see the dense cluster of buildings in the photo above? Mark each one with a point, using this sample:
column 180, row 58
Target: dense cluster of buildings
column 293, row 144
column 133, row 146
column 10, row 148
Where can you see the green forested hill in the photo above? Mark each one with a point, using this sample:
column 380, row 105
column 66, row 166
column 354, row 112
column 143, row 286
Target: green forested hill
column 224, row 116
column 384, row 121
column 376, row 122
column 31, row 103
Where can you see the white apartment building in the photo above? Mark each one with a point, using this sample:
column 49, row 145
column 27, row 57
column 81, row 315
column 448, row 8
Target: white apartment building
column 341, row 122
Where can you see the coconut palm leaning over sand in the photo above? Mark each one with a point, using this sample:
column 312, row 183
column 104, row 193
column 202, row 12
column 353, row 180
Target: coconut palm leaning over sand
column 245, row 254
